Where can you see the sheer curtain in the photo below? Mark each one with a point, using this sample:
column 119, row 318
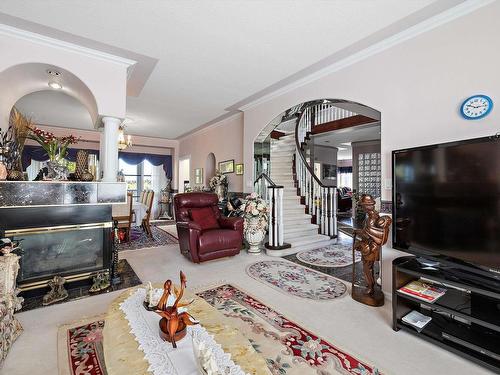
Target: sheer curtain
column 158, row 182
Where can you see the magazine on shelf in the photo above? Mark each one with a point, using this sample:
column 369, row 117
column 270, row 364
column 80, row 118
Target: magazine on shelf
column 423, row 291
column 417, row 320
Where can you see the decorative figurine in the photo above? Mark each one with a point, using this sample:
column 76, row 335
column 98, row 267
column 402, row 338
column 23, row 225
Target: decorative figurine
column 369, row 242
column 175, row 317
column 100, row 282
column 57, row 292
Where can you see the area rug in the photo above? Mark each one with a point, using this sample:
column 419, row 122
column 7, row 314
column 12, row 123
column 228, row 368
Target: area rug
column 80, row 348
column 337, row 255
column 296, row 280
column 170, row 229
column 140, row 240
column 288, row 348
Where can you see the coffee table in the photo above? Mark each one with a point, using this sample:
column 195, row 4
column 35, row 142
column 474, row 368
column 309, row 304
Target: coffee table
column 123, row 356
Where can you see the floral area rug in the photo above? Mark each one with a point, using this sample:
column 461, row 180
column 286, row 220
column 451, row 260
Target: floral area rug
column 139, row 239
column 296, row 280
column 80, row 348
column 337, row 255
column 288, row 348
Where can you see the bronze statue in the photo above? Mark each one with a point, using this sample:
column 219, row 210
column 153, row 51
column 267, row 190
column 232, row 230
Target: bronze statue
column 369, row 242
column 173, row 323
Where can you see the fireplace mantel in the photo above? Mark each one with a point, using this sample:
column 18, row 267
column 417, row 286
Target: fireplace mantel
column 17, row 194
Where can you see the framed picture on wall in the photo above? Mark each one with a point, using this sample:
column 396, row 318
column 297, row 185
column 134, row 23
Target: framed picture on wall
column 226, row 166
column 239, row 169
column 198, row 176
column 329, row 172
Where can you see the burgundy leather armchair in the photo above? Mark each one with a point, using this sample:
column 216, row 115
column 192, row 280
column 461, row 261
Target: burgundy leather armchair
column 200, row 245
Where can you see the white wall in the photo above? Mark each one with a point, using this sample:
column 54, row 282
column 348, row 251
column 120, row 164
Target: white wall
column 417, row 86
column 224, row 139
column 106, row 80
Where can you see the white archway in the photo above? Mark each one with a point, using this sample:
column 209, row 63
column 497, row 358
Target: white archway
column 23, row 79
column 210, row 167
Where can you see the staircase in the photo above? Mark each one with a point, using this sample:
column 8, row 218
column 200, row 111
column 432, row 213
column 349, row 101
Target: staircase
column 299, row 231
column 302, row 210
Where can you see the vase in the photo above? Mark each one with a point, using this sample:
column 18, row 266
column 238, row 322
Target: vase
column 254, row 234
column 57, row 170
column 221, row 191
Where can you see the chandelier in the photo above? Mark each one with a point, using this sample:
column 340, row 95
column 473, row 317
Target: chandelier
column 122, row 142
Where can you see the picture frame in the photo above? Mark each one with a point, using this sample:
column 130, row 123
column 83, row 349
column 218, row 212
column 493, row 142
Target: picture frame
column 226, row 166
column 329, row 171
column 239, row 169
column 198, row 176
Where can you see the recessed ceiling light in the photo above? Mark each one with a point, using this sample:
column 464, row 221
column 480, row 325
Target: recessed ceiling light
column 55, row 85
column 346, row 144
column 54, row 73
column 342, row 148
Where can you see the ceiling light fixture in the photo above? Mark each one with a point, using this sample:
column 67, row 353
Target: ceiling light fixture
column 341, row 148
column 122, row 142
column 346, row 144
column 55, row 85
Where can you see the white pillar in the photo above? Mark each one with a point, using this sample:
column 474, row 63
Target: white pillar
column 110, row 148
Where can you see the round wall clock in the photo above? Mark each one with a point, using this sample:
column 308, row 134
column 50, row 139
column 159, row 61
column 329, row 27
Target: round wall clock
column 476, row 107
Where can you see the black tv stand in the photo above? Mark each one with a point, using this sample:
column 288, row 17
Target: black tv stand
column 466, row 320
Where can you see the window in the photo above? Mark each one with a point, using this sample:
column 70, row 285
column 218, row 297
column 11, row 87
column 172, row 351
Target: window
column 138, row 177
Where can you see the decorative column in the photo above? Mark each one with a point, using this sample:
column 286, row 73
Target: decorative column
column 109, row 148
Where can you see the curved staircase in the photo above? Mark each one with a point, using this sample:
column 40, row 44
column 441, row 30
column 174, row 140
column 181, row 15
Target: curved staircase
column 302, row 209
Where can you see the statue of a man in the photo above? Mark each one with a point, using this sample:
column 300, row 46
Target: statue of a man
column 371, row 238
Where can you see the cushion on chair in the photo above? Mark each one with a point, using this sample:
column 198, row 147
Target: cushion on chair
column 218, row 239
column 204, row 217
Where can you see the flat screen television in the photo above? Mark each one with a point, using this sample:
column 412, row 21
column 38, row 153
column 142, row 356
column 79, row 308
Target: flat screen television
column 446, row 203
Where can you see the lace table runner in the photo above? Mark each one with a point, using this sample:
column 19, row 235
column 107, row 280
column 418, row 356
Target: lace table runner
column 163, row 359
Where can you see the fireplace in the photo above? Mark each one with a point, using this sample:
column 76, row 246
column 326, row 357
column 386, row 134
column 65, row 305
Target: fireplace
column 73, row 251
column 72, row 241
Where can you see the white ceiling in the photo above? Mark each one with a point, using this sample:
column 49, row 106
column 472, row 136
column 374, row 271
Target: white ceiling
column 213, row 54
column 355, row 134
column 55, row 108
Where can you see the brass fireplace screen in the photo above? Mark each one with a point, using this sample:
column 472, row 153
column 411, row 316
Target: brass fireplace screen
column 73, row 251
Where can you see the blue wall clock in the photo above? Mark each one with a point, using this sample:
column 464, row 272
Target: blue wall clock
column 476, row 107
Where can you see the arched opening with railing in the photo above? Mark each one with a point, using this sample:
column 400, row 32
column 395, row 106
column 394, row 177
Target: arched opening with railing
column 301, row 183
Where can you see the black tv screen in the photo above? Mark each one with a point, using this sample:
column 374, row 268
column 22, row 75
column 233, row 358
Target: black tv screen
column 446, row 201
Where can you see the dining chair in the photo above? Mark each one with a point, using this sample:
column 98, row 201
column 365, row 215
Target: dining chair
column 142, row 197
column 125, row 221
column 146, row 225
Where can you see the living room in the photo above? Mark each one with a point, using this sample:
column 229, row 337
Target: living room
column 146, row 142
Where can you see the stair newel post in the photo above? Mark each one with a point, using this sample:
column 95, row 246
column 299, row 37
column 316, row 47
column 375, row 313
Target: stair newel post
column 318, row 207
column 276, row 229
column 331, row 215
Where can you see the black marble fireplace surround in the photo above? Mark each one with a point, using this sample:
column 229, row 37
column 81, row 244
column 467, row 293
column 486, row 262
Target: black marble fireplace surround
column 69, row 241
column 65, row 228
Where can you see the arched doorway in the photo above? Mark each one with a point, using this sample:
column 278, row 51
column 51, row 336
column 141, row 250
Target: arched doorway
column 210, row 167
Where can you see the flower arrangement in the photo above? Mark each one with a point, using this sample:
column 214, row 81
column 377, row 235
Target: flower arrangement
column 56, row 147
column 254, row 207
column 218, row 180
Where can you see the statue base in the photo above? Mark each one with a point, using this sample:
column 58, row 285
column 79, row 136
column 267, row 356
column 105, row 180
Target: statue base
column 165, row 335
column 359, row 294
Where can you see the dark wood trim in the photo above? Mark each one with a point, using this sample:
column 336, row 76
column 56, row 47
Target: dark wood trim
column 347, row 122
column 275, row 134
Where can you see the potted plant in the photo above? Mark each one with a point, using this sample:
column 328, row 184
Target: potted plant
column 56, row 148
column 218, row 184
column 255, row 212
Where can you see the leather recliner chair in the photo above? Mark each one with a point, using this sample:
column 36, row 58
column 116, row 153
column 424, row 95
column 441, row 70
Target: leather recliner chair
column 225, row 238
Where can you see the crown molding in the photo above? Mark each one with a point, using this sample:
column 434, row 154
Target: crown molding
column 219, row 121
column 9, row 31
column 398, row 38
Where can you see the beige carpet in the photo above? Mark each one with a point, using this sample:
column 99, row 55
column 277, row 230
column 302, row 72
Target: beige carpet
column 361, row 330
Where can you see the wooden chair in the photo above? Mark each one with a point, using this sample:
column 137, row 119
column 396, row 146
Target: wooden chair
column 146, row 220
column 142, row 197
column 126, row 220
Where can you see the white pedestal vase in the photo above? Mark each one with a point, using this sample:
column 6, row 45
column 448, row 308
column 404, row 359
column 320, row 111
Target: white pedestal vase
column 254, row 235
